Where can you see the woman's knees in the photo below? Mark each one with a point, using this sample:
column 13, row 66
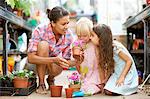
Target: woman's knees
column 54, row 70
column 43, row 48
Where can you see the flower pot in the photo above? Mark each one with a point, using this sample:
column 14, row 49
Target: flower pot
column 69, row 92
column 56, row 91
column 76, row 87
column 76, row 52
column 20, row 82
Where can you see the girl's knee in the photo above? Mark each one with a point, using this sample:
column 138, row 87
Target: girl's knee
column 107, row 92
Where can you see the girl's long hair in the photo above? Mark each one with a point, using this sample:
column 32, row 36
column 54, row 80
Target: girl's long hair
column 105, row 47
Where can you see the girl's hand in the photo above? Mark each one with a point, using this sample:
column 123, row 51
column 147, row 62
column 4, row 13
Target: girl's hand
column 80, row 58
column 61, row 62
column 120, row 81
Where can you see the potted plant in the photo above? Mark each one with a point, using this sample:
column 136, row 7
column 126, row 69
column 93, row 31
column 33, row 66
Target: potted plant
column 6, row 85
column 20, row 5
column 74, row 81
column 6, row 81
column 21, row 78
column 77, row 48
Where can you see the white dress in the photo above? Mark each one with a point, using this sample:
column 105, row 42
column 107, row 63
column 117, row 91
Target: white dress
column 131, row 80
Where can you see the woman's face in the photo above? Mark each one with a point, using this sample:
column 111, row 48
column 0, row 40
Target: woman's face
column 61, row 26
column 94, row 38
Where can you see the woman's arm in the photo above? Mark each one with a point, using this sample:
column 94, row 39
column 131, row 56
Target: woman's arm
column 128, row 63
column 35, row 59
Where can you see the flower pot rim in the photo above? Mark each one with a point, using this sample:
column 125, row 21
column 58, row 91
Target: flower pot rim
column 56, row 86
column 69, row 88
column 16, row 77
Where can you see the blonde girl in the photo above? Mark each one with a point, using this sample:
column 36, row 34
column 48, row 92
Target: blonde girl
column 89, row 67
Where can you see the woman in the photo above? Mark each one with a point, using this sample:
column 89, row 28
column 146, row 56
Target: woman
column 49, row 47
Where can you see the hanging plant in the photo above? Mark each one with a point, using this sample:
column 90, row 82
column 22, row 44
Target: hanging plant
column 25, row 5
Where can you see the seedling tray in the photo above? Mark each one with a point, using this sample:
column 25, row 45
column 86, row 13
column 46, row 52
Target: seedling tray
column 6, row 91
column 11, row 91
column 25, row 91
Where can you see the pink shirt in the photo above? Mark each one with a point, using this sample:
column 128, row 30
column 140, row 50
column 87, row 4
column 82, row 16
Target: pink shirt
column 44, row 33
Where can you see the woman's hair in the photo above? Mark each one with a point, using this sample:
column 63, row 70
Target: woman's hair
column 84, row 26
column 56, row 13
column 105, row 47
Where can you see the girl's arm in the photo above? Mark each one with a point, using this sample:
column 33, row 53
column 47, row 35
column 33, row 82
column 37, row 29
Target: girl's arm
column 102, row 78
column 128, row 63
column 102, row 74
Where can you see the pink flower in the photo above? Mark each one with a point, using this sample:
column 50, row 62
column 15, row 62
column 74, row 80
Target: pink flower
column 78, row 43
column 74, row 78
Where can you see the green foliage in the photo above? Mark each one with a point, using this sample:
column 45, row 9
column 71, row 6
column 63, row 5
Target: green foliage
column 5, row 77
column 23, row 74
column 25, row 5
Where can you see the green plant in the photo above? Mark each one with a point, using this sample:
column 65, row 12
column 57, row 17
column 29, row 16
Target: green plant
column 23, row 74
column 6, row 81
column 25, row 5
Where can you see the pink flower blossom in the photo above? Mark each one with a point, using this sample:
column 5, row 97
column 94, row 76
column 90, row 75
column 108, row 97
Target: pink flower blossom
column 74, row 78
column 78, row 43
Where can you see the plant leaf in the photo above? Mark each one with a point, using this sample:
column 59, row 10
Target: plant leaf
column 11, row 3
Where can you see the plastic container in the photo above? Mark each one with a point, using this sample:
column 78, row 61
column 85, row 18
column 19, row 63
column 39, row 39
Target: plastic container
column 56, row 91
column 69, row 92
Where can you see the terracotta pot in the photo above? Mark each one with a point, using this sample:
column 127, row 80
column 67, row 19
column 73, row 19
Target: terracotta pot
column 75, row 87
column 69, row 92
column 20, row 82
column 56, row 91
column 76, row 52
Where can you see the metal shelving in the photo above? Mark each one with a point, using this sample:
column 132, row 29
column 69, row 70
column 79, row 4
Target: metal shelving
column 142, row 18
column 14, row 19
column 137, row 18
column 11, row 17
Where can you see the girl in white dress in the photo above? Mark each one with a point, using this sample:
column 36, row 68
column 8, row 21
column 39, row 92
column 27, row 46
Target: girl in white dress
column 117, row 68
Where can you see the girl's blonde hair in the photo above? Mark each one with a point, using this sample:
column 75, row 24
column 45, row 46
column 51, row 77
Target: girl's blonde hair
column 84, row 26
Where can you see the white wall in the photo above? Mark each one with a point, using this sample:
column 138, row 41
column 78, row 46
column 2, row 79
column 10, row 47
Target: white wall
column 115, row 12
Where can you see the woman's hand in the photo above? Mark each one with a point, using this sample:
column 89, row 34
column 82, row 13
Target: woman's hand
column 61, row 62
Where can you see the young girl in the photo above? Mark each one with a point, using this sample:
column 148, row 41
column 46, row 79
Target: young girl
column 89, row 67
column 121, row 76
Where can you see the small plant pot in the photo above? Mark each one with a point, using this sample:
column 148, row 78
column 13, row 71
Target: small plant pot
column 56, row 91
column 20, row 82
column 76, row 87
column 76, row 52
column 69, row 92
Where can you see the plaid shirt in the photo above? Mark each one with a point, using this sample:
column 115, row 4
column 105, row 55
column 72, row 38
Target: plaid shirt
column 44, row 33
